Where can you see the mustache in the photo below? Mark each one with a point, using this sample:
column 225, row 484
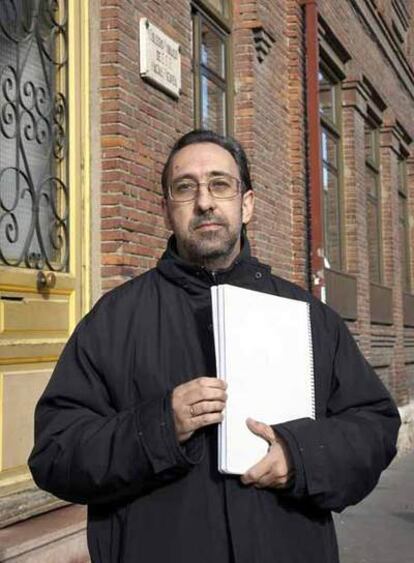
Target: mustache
column 206, row 218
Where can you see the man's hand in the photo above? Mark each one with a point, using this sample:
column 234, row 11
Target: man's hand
column 197, row 403
column 274, row 470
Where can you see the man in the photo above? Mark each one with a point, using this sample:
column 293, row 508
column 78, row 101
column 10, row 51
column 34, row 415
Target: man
column 129, row 419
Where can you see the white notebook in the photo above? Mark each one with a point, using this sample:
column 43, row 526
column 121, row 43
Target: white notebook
column 263, row 346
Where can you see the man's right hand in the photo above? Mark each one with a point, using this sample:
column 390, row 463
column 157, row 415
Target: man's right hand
column 197, row 403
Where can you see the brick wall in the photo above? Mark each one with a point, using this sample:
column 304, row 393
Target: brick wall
column 355, row 209
column 264, row 84
column 296, row 142
column 139, row 124
column 382, row 344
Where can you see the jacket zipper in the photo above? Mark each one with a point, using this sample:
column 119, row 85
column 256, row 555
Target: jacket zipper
column 212, row 275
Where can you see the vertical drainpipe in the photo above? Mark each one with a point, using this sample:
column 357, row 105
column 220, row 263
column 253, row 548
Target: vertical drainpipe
column 313, row 148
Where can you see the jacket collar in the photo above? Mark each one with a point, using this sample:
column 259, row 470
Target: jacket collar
column 196, row 279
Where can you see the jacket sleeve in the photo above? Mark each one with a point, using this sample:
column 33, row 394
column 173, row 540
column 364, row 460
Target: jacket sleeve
column 339, row 457
column 85, row 450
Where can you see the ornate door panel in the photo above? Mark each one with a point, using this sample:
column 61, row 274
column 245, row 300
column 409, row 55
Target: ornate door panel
column 40, row 227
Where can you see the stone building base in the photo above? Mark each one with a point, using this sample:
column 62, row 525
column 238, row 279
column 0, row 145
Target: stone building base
column 58, row 536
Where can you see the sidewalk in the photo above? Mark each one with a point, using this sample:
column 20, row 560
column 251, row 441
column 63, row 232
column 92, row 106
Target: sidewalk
column 381, row 528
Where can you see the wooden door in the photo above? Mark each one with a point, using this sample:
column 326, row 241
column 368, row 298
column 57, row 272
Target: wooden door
column 41, row 224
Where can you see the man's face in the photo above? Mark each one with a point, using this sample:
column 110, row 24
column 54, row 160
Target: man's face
column 207, row 229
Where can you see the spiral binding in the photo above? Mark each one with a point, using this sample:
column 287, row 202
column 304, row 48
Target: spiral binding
column 312, row 374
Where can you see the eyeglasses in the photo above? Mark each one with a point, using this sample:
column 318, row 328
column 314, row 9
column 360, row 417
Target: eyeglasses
column 219, row 187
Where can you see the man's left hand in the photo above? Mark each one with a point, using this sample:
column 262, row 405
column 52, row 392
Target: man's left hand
column 274, row 470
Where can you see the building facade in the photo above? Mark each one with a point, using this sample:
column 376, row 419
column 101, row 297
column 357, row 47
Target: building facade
column 93, row 95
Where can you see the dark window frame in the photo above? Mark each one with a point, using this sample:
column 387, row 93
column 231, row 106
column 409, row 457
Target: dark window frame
column 372, row 168
column 203, row 13
column 333, row 127
column 225, row 18
column 402, row 191
column 341, row 287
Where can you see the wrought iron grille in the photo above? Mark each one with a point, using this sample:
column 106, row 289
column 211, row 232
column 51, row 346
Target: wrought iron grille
column 34, row 194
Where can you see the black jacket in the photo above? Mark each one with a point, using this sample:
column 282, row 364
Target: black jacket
column 105, row 434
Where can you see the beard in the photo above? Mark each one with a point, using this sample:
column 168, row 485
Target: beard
column 210, row 248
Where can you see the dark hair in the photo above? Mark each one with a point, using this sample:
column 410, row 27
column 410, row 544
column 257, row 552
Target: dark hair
column 206, row 136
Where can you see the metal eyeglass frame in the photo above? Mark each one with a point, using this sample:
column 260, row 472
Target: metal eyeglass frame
column 207, row 183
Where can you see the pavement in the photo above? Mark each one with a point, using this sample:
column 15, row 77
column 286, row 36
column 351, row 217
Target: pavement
column 380, row 529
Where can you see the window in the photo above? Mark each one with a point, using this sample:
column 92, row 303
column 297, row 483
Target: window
column 34, row 202
column 403, row 224
column 220, row 6
column 329, row 109
column 372, row 183
column 400, row 22
column 211, row 64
